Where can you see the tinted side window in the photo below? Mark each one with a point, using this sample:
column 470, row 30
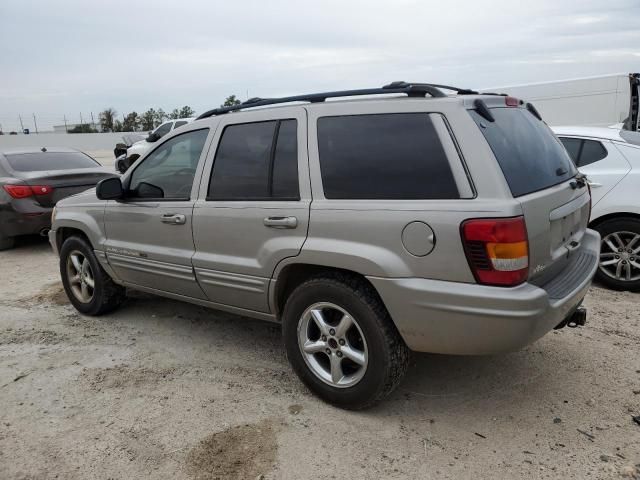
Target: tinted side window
column 592, row 151
column 383, row 156
column 179, row 124
column 573, row 147
column 256, row 161
column 163, row 129
column 285, row 162
column 168, row 171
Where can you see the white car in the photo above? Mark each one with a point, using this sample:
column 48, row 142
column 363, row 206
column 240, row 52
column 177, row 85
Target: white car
column 610, row 158
column 123, row 162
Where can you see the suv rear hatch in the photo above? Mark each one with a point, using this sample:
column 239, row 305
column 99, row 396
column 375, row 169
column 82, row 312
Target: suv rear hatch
column 541, row 176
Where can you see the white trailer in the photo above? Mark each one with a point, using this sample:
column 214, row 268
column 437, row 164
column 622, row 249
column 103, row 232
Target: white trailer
column 593, row 101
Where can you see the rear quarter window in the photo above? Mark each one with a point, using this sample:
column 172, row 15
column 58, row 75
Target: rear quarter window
column 383, row 156
column 530, row 156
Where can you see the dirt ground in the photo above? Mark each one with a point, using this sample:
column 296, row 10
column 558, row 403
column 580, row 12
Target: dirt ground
column 161, row 389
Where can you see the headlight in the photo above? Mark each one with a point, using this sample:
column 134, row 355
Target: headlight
column 53, row 215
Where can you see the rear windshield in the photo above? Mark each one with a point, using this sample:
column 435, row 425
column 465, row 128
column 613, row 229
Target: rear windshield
column 33, row 162
column 529, row 155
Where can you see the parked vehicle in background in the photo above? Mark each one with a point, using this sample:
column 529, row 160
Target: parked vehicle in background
column 611, row 160
column 33, row 180
column 134, row 149
column 593, row 101
column 426, row 222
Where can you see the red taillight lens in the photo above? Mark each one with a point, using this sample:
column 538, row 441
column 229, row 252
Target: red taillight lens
column 511, row 101
column 24, row 191
column 497, row 250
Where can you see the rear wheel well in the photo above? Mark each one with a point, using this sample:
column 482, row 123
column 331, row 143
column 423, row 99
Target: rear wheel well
column 613, row 216
column 293, row 275
column 65, row 232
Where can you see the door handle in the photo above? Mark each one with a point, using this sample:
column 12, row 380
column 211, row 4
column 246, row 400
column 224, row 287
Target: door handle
column 281, row 222
column 594, row 184
column 174, row 218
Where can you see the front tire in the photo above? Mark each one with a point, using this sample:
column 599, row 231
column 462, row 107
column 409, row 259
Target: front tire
column 341, row 341
column 619, row 266
column 89, row 288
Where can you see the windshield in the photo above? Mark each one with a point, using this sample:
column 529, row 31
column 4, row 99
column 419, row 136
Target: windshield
column 33, row 162
column 530, row 156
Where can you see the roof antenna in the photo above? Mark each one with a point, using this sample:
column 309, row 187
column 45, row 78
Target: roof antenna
column 43, row 149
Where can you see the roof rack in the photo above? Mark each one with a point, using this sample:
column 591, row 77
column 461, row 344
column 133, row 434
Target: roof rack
column 411, row 89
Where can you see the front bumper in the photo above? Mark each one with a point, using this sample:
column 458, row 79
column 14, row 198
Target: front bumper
column 471, row 319
column 53, row 242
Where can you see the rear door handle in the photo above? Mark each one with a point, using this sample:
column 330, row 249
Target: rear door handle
column 594, row 184
column 174, row 218
column 281, row 222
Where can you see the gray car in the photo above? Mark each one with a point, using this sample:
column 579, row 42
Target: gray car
column 32, row 180
column 368, row 228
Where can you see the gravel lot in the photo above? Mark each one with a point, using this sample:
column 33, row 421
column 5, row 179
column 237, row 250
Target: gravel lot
column 161, row 389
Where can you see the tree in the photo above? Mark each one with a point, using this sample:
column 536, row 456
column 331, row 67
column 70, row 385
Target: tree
column 117, row 126
column 187, row 112
column 174, row 114
column 161, row 116
column 83, row 128
column 106, row 119
column 148, row 119
column 131, row 122
column 231, row 101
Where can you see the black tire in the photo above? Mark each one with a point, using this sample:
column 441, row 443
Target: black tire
column 7, row 242
column 388, row 355
column 107, row 295
column 629, row 225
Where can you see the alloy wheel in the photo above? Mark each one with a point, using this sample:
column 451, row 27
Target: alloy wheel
column 80, row 276
column 620, row 256
column 332, row 345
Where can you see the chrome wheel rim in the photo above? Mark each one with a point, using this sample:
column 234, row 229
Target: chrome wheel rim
column 80, row 276
column 620, row 256
column 332, row 345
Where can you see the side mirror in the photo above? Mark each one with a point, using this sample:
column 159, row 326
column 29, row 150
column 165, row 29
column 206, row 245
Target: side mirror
column 153, row 137
column 109, row 189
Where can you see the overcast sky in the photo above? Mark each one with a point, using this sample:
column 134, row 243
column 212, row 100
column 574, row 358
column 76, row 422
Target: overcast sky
column 64, row 57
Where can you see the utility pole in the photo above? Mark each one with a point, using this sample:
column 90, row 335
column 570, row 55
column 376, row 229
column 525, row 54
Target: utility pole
column 66, row 129
column 21, row 125
column 81, row 122
column 93, row 122
column 35, row 123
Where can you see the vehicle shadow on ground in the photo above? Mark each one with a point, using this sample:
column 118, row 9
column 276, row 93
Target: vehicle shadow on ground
column 434, row 384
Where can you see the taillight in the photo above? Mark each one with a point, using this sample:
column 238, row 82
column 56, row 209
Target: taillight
column 24, row 191
column 497, row 250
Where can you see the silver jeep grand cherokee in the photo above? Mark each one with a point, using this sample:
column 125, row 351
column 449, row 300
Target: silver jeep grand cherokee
column 368, row 228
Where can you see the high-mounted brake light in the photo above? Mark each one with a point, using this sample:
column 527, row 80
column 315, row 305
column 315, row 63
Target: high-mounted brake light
column 25, row 191
column 497, row 250
column 511, row 101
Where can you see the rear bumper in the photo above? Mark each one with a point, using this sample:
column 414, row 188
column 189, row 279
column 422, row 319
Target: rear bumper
column 14, row 223
column 470, row 319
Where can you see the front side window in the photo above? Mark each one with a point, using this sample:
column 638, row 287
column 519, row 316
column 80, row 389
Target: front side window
column 256, row 161
column 383, row 156
column 168, row 172
column 179, row 124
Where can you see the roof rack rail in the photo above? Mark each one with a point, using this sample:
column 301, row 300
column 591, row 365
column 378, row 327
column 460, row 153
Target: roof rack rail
column 461, row 91
column 411, row 89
